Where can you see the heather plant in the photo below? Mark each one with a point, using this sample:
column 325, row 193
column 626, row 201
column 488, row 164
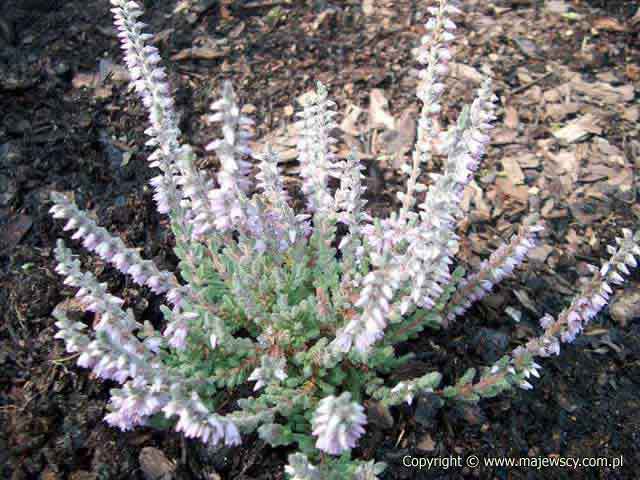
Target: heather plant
column 276, row 300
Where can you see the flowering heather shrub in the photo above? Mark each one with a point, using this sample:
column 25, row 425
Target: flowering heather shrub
column 273, row 299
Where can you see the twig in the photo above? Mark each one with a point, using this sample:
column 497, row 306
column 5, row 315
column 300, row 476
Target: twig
column 61, row 361
column 522, row 88
column 273, row 3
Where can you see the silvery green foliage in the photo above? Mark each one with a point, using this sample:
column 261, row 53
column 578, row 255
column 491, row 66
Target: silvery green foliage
column 273, row 298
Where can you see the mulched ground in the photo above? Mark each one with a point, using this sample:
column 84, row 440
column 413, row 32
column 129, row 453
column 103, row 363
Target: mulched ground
column 566, row 148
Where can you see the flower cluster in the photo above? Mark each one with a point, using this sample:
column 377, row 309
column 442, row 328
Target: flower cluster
column 314, row 148
column 338, row 423
column 117, row 353
column 112, row 249
column 227, row 200
column 499, row 266
column 594, row 296
column 303, row 311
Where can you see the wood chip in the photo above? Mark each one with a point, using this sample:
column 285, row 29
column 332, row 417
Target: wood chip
column 379, row 110
column 631, row 114
column 578, row 129
column 201, row 53
column 520, row 193
column 426, row 444
column 396, row 143
column 84, row 80
column 368, row 7
column 609, row 24
column 525, row 301
column 559, row 111
column 540, row 253
column 528, row 160
column 349, row 122
column 557, row 7
column 466, row 72
column 602, row 91
column 249, row 109
column 504, row 136
column 13, row 231
column 511, row 117
column 482, row 211
column 512, row 170
column 379, row 415
column 155, row 465
column 323, row 18
column 625, row 305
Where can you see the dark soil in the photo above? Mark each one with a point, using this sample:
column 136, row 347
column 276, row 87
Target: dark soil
column 60, row 132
